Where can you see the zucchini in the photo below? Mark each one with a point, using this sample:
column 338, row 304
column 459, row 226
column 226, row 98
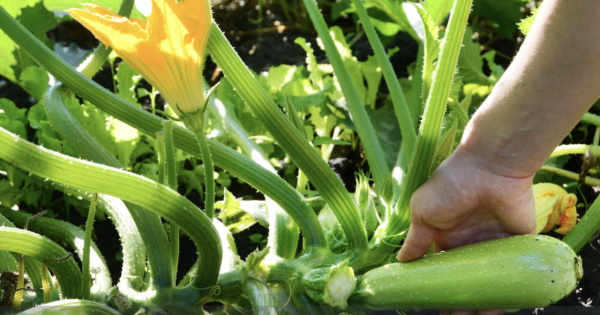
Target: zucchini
column 527, row 271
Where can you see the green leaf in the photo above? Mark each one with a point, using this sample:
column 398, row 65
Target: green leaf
column 470, row 62
column 497, row 70
column 303, row 94
column 350, row 62
column 232, row 215
column 35, row 80
column 12, row 118
column 438, row 9
column 49, row 138
column 383, row 22
column 280, row 75
column 127, row 79
column 372, row 73
column 526, row 23
column 34, row 17
column 546, row 177
column 328, row 140
column 395, row 10
column 36, row 114
column 341, row 8
column 315, row 73
column 503, row 14
column 387, row 131
column 432, row 49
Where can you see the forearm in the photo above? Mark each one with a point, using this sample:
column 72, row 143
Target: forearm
column 552, row 82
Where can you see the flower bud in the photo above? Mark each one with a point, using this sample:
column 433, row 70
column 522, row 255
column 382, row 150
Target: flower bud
column 554, row 206
column 362, row 192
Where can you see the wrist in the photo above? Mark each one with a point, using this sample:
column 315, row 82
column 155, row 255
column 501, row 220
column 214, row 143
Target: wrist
column 496, row 153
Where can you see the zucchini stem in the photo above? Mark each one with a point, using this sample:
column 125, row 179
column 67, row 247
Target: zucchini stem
column 172, row 183
column 85, row 260
column 209, row 199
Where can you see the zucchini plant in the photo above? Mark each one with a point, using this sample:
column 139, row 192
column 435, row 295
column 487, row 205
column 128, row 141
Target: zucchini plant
column 346, row 259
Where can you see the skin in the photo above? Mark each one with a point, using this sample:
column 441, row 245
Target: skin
column 483, row 190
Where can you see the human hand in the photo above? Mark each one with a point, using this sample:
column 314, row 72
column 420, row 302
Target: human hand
column 463, row 203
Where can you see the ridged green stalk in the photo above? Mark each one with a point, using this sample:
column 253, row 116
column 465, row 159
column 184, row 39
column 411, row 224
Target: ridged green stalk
column 209, row 175
column 575, row 149
column 409, row 137
column 131, row 221
column 415, row 102
column 429, row 132
column 16, row 302
column 38, row 247
column 585, row 229
column 283, row 230
column 7, row 261
column 172, row 183
column 289, row 138
column 260, row 296
column 32, row 266
column 130, row 187
column 373, row 151
column 162, row 154
column 591, row 119
column 384, row 6
column 433, row 116
column 572, row 175
column 85, row 259
column 230, row 160
column 71, row 307
column 68, row 234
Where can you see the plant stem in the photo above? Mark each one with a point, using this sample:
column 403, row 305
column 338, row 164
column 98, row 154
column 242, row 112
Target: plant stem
column 139, row 229
column 591, row 119
column 131, row 187
column 289, row 138
column 588, row 180
column 40, row 248
column 172, row 181
column 209, row 175
column 162, row 169
column 403, row 114
column 301, row 183
column 575, row 149
column 31, row 265
column 85, row 260
column 365, row 130
column 230, row 160
column 435, row 108
column 68, row 235
column 585, row 229
column 16, row 302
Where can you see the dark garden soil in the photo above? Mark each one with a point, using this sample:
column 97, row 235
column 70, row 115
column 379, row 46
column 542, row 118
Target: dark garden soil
column 275, row 48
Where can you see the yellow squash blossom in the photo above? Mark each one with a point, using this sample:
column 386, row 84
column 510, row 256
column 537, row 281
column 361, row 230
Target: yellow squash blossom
column 168, row 50
column 554, row 206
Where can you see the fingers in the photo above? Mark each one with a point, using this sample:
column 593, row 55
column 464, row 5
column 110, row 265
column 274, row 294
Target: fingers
column 418, row 241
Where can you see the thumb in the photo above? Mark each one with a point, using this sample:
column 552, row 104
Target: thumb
column 418, row 241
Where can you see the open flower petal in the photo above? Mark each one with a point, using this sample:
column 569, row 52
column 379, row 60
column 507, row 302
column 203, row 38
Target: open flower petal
column 168, row 50
column 568, row 219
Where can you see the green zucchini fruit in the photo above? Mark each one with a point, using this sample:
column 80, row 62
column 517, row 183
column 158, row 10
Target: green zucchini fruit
column 527, row 271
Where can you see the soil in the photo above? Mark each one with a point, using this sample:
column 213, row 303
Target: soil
column 275, row 48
